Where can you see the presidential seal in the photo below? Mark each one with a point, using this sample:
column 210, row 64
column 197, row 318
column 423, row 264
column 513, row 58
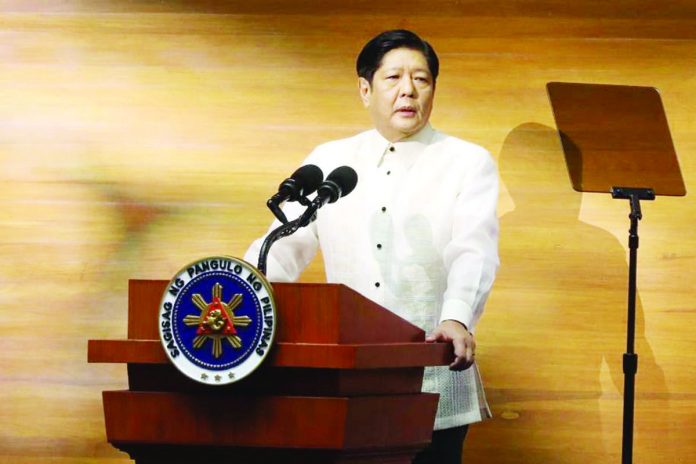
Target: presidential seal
column 217, row 320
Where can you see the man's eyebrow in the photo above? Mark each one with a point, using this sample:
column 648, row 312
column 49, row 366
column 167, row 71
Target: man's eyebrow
column 400, row 68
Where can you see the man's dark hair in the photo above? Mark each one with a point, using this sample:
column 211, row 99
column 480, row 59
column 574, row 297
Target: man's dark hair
column 370, row 58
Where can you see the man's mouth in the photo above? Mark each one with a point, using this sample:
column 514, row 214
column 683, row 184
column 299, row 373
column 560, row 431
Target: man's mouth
column 406, row 111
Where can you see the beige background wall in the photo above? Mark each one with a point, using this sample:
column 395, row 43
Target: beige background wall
column 138, row 136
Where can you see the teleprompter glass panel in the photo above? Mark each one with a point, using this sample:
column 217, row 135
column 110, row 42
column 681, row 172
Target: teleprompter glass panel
column 615, row 136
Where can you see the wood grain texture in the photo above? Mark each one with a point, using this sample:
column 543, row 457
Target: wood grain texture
column 370, row 392
column 317, row 355
column 317, row 313
column 287, row 422
column 136, row 137
column 285, row 381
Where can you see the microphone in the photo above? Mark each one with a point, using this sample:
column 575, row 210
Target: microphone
column 301, row 183
column 340, row 182
column 304, row 181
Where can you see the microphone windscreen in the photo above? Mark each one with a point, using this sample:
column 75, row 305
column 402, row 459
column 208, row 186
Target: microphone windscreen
column 345, row 177
column 309, row 177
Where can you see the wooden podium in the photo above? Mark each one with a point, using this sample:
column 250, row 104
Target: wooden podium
column 341, row 385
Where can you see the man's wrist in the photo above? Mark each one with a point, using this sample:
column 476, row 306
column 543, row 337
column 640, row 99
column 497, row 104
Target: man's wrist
column 457, row 310
column 458, row 322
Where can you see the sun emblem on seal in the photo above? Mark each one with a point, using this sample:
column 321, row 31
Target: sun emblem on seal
column 217, row 321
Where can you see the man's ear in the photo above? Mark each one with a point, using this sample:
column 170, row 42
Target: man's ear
column 365, row 91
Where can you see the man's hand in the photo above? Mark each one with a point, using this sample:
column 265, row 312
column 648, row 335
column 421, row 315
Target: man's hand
column 462, row 340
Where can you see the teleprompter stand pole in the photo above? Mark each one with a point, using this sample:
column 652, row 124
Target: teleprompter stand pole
column 630, row 358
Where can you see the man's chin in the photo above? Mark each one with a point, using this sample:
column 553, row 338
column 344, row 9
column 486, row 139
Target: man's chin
column 396, row 132
column 409, row 129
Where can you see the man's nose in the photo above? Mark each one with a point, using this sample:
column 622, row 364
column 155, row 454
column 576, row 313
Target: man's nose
column 407, row 88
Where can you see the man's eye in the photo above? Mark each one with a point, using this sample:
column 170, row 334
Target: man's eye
column 393, row 76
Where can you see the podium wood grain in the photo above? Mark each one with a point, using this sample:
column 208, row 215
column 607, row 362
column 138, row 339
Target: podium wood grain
column 356, row 396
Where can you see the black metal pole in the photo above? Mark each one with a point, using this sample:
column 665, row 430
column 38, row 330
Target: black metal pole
column 284, row 230
column 630, row 358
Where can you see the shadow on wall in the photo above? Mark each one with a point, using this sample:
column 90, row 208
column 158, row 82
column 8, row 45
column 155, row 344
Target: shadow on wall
column 553, row 335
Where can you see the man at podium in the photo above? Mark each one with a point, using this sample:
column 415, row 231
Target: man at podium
column 419, row 233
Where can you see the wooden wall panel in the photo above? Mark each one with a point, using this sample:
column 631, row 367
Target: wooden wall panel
column 138, row 136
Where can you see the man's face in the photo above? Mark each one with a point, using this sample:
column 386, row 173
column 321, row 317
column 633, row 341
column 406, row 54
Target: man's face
column 400, row 98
